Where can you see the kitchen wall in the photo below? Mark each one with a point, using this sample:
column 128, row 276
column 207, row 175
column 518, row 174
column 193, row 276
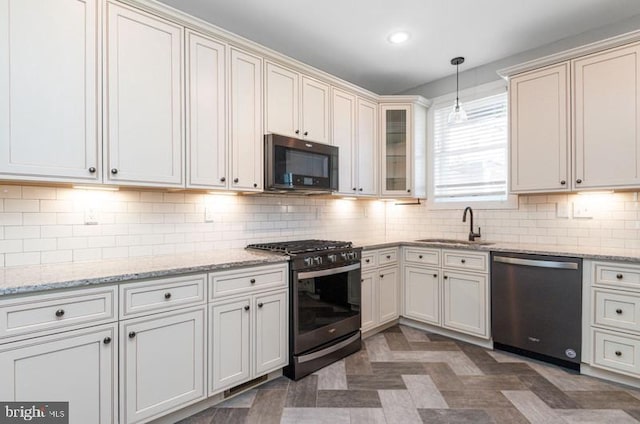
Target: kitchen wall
column 47, row 224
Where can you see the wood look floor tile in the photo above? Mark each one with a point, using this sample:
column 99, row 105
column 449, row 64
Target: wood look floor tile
column 413, row 334
column 302, row 393
column 348, row 399
column 267, row 407
column 315, row 416
column 507, row 416
column 243, row 400
column 478, row 355
column 475, row 399
column 398, row 407
column 458, row 416
column 230, row 415
column 604, row 400
column 434, row 346
column 367, row 416
column 397, row 341
column 492, row 382
column 549, row 393
column 332, row 377
column 377, row 348
column 424, row 392
column 203, row 417
column 398, row 368
column 590, row 416
column 570, row 381
column 375, row 382
column 280, row 383
column 532, row 407
column 507, row 369
column 635, row 413
column 358, row 363
column 443, row 376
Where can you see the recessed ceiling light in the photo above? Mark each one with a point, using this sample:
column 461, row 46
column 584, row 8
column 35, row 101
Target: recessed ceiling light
column 398, row 37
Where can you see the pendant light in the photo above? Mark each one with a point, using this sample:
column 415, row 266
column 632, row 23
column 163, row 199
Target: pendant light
column 457, row 114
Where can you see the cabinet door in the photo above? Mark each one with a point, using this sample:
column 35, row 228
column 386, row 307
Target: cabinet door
column 388, row 289
column 144, row 104
column 315, row 110
column 396, row 150
column 367, row 147
column 539, row 112
column 607, row 118
column 465, row 303
column 246, row 121
column 422, row 294
column 368, row 302
column 78, row 367
column 344, row 133
column 206, row 127
column 271, row 332
column 229, row 344
column 162, row 364
column 49, row 90
column 281, row 92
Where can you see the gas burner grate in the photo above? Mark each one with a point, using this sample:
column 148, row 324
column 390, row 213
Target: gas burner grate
column 301, row 246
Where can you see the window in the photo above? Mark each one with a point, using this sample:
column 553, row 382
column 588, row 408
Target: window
column 469, row 160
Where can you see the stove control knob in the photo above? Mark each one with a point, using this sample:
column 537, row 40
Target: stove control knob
column 317, row 260
column 332, row 258
column 344, row 255
column 308, row 261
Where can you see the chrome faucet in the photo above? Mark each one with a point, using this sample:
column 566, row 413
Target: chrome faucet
column 472, row 235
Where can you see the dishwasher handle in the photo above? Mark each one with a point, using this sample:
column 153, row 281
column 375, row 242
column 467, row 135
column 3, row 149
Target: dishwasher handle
column 536, row 263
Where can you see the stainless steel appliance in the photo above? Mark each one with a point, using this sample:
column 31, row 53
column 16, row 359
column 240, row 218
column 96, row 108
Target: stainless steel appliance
column 292, row 165
column 324, row 302
column 536, row 306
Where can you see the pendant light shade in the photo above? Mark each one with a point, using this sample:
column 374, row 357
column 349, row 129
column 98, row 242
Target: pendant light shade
column 457, row 114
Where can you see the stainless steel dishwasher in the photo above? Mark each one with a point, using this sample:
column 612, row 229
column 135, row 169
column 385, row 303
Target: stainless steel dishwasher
column 536, row 306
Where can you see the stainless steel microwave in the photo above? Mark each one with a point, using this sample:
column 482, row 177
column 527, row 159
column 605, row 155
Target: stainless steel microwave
column 291, row 164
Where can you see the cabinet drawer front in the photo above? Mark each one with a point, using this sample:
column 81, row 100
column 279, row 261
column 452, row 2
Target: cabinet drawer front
column 616, row 352
column 161, row 295
column 617, row 275
column 247, row 279
column 387, row 257
column 422, row 256
column 617, row 310
column 369, row 260
column 55, row 311
column 472, row 261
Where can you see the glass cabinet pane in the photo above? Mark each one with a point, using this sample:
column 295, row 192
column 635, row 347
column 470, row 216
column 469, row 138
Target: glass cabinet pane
column 396, row 150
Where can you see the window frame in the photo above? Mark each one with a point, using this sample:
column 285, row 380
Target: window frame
column 447, row 100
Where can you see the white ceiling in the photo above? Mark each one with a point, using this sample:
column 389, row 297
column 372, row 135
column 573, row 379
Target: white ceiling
column 348, row 38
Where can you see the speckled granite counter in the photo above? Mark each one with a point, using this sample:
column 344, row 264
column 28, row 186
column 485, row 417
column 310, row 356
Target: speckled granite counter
column 47, row 277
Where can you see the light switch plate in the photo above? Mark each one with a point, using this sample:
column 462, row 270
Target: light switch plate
column 582, row 210
column 208, row 214
column 562, row 210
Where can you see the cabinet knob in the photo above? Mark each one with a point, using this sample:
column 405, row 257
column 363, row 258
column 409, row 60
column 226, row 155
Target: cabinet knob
column 235, row 180
column 354, row 189
column 381, row 275
column 408, row 190
column 578, row 181
column 252, row 281
column 114, row 171
column 246, row 308
column 618, row 353
column 360, row 189
column 435, row 275
column 388, row 256
column 297, row 131
column 419, row 256
column 92, row 169
column 463, row 261
column 367, row 260
column 445, row 277
column 132, row 334
column 260, row 305
column 106, row 340
column 619, row 276
column 563, row 182
column 59, row 313
column 619, row 311
column 255, row 185
column 222, row 179
column 306, row 133
column 167, row 295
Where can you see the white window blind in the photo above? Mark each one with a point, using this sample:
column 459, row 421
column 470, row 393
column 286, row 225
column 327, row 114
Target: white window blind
column 470, row 158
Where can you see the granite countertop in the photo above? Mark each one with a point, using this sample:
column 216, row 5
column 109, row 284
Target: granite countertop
column 47, row 277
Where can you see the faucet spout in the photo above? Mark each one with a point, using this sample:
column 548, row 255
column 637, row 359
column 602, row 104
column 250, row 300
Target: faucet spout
column 472, row 235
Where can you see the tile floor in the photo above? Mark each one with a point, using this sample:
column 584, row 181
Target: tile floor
column 406, row 376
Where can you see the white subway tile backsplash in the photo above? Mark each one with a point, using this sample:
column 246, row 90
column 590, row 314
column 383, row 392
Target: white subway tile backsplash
column 29, row 232
column 22, row 259
column 36, row 192
column 21, row 205
column 9, row 246
column 56, row 256
column 80, row 255
column 10, row 218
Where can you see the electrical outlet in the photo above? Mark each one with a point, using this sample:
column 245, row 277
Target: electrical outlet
column 91, row 216
column 582, row 210
column 208, row 214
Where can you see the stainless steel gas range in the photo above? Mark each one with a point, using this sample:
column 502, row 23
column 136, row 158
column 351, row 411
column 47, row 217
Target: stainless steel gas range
column 324, row 302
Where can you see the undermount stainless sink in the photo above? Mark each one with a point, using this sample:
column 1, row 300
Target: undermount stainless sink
column 456, row 241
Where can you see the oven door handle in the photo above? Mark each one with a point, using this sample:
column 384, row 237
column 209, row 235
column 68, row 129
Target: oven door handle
column 325, row 272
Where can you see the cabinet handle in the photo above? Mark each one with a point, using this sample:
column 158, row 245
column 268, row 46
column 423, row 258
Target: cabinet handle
column 114, row 171
column 297, row 131
column 435, row 275
column 463, row 261
column 445, row 277
column 306, row 133
column 618, row 353
column 167, row 295
column 235, row 180
column 132, row 334
column 419, row 256
column 619, row 276
column 252, row 281
column 92, row 169
column 619, row 311
column 578, row 181
column 563, row 182
column 107, row 340
column 246, row 308
column 222, row 179
column 59, row 313
column 260, row 305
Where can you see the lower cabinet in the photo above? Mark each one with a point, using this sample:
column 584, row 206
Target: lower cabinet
column 247, row 339
column 422, row 294
column 388, row 289
column 162, row 364
column 78, row 367
column 380, row 288
column 465, row 302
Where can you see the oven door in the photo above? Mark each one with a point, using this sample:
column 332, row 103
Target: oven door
column 326, row 305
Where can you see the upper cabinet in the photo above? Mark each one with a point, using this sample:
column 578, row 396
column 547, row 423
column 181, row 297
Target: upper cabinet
column 295, row 104
column 579, row 122
column 144, row 105
column 367, row 147
column 343, row 109
column 246, row 121
column 49, row 90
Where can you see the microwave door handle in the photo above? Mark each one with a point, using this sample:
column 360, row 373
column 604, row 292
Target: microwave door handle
column 325, row 272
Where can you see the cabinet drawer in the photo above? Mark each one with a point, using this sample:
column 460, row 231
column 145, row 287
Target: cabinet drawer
column 617, row 310
column 616, row 352
column 617, row 275
column 422, row 256
column 48, row 312
column 464, row 259
column 161, row 295
column 246, row 279
column 369, row 260
column 387, row 257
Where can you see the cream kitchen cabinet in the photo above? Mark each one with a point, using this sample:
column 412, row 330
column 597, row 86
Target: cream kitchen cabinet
column 144, row 86
column 50, row 90
column 422, row 287
column 296, row 105
column 343, row 121
column 465, row 300
column 380, row 288
column 366, row 166
column 246, row 135
column 206, row 139
column 79, row 367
